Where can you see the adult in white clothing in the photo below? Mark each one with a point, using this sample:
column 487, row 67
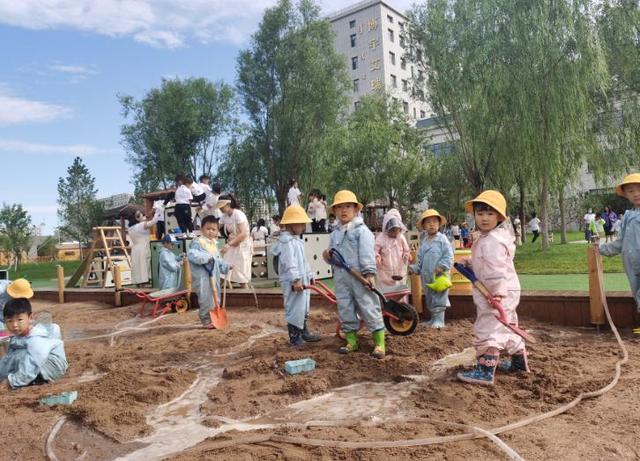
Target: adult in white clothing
column 588, row 218
column 238, row 251
column 139, row 237
column 293, row 196
column 210, row 206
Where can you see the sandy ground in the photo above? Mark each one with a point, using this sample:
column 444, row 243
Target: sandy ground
column 124, row 380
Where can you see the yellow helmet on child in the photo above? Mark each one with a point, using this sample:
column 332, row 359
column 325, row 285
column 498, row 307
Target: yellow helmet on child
column 346, row 196
column 294, row 214
column 633, row 178
column 430, row 213
column 20, row 288
column 493, row 198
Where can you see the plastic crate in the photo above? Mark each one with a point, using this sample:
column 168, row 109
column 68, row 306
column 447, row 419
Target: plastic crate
column 299, row 366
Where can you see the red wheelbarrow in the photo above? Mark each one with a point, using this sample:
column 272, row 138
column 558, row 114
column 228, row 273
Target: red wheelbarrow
column 164, row 301
column 400, row 322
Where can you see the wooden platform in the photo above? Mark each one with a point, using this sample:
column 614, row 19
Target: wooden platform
column 569, row 308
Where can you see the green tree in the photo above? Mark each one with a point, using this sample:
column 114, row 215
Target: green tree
column 181, row 127
column 16, row 230
column 382, row 155
column 78, row 209
column 292, row 83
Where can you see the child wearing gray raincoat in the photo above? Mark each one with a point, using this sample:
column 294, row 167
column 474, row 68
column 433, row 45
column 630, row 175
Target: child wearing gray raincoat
column 294, row 273
column 206, row 263
column 169, row 264
column 36, row 352
column 628, row 244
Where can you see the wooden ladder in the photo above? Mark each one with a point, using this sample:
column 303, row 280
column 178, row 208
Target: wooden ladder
column 101, row 244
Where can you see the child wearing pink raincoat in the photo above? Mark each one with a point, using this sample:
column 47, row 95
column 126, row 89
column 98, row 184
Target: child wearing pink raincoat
column 492, row 261
column 392, row 250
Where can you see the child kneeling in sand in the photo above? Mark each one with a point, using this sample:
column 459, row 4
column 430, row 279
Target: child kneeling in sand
column 353, row 239
column 294, row 272
column 36, row 353
column 206, row 263
column 492, row 261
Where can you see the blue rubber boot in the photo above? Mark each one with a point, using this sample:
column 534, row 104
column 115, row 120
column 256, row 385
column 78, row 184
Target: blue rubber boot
column 295, row 335
column 517, row 362
column 308, row 336
column 437, row 317
column 483, row 373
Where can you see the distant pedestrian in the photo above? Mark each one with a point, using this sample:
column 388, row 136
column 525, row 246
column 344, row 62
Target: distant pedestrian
column 293, row 196
column 586, row 222
column 534, row 226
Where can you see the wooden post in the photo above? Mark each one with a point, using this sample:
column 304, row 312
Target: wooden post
column 186, row 270
column 416, row 289
column 60, row 273
column 117, row 280
column 596, row 285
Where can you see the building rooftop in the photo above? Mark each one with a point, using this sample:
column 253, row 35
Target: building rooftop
column 361, row 6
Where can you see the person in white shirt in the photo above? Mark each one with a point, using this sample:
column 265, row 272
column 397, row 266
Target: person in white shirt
column 534, row 227
column 210, row 205
column 197, row 190
column 139, row 237
column 204, row 183
column 311, row 210
column 259, row 233
column 238, row 250
column 183, row 198
column 589, row 217
column 293, row 196
column 274, row 227
column 321, row 213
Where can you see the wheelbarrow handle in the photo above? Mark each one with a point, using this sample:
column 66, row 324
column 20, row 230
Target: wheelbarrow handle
column 329, row 296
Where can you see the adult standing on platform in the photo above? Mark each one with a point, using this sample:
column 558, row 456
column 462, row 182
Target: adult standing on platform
column 238, row 250
column 293, row 196
column 139, row 237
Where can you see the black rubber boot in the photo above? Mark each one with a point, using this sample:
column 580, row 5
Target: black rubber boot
column 295, row 335
column 308, row 336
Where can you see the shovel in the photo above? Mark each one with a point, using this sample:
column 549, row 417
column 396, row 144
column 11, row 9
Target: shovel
column 218, row 314
column 502, row 317
column 396, row 310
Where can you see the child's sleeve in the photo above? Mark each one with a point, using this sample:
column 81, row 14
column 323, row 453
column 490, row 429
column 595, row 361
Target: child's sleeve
column 38, row 350
column 446, row 258
column 224, row 266
column 197, row 255
column 378, row 250
column 406, row 251
column 287, row 264
column 417, row 266
column 366, row 245
column 168, row 262
column 5, row 364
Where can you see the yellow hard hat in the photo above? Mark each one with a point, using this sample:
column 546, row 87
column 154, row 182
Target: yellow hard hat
column 633, row 178
column 20, row 288
column 346, row 196
column 493, row 198
column 429, row 213
column 294, row 214
column 440, row 283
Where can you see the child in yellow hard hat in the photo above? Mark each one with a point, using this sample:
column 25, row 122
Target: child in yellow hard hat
column 492, row 253
column 353, row 239
column 435, row 258
column 19, row 288
column 628, row 243
column 294, row 273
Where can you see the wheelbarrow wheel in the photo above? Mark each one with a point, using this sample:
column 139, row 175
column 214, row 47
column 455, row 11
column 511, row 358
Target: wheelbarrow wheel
column 181, row 305
column 402, row 327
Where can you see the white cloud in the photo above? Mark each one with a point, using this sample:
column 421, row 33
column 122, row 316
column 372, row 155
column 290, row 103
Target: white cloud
column 23, row 147
column 72, row 69
column 14, row 109
column 160, row 23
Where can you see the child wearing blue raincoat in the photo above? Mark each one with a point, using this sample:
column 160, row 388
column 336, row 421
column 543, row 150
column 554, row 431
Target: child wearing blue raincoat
column 628, row 244
column 36, row 353
column 206, row 263
column 435, row 259
column 169, row 264
column 353, row 239
column 294, row 273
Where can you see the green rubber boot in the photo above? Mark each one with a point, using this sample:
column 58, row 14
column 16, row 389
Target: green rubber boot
column 352, row 342
column 378, row 339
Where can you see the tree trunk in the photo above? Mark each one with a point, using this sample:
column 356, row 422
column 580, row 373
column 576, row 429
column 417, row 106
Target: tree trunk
column 522, row 213
column 563, row 220
column 544, row 211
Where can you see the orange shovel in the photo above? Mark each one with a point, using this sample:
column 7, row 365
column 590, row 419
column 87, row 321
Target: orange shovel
column 219, row 313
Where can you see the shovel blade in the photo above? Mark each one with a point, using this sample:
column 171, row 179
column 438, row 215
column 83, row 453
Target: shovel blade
column 219, row 318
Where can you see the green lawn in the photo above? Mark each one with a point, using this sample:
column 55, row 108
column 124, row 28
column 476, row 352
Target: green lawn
column 43, row 271
column 571, row 282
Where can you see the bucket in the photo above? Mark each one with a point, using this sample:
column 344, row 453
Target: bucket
column 461, row 285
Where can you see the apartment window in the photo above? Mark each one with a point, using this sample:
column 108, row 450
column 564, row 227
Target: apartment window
column 353, row 40
column 401, row 37
column 420, row 75
column 414, row 112
column 356, row 105
column 403, row 63
column 356, row 85
column 405, row 85
column 394, row 81
column 392, row 57
column 422, row 114
column 354, row 63
column 395, row 101
column 390, row 32
column 390, row 18
column 401, row 24
column 352, row 24
column 405, row 107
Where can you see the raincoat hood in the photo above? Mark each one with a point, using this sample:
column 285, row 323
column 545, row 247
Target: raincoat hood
column 392, row 214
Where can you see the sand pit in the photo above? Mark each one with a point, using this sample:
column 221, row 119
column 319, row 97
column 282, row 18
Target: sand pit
column 167, row 388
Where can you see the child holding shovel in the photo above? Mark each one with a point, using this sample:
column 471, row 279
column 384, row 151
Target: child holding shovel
column 203, row 253
column 492, row 261
column 628, row 243
column 294, row 273
column 435, row 258
column 353, row 239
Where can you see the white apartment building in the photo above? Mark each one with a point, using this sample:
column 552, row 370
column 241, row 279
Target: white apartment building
column 371, row 35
